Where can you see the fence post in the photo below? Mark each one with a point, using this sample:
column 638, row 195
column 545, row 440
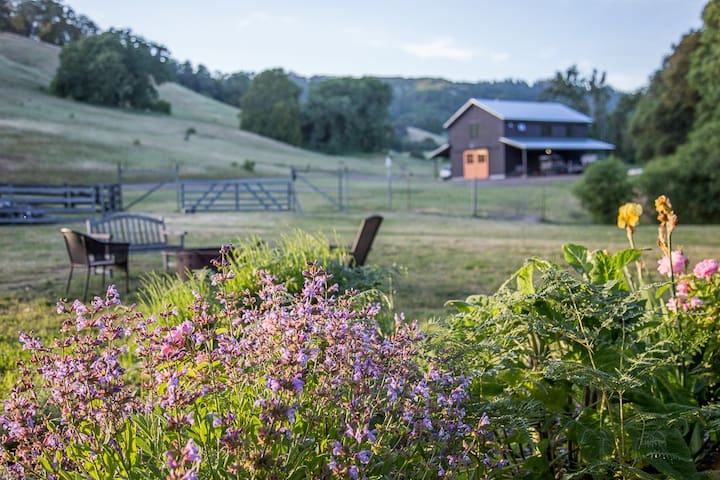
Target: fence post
column 177, row 183
column 475, row 199
column 340, row 188
column 346, row 173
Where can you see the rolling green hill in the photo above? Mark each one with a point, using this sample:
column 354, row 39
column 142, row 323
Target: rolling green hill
column 46, row 139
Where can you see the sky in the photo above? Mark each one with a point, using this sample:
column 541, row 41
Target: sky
column 459, row 40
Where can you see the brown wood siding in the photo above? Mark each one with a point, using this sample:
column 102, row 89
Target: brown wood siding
column 489, row 131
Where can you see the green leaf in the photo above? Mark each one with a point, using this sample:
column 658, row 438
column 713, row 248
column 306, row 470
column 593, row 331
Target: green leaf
column 623, row 257
column 675, row 460
column 604, row 269
column 524, row 278
column 577, row 257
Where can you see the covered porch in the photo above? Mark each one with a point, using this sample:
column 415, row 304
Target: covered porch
column 527, row 156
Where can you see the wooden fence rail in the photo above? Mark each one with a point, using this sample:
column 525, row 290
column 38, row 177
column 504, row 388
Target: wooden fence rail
column 56, row 203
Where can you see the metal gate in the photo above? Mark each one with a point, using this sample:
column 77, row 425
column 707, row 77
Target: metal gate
column 267, row 194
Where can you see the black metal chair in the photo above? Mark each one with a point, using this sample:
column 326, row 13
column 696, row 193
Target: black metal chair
column 364, row 239
column 93, row 254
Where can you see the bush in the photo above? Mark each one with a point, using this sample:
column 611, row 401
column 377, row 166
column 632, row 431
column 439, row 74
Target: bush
column 286, row 261
column 603, row 187
column 161, row 106
column 690, row 177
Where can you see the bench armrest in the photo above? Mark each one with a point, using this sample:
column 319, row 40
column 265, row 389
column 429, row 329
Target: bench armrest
column 174, row 233
column 103, row 237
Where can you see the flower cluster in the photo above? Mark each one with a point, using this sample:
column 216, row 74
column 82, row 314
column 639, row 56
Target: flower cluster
column 694, row 289
column 266, row 386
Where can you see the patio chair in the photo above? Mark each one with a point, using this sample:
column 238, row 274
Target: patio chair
column 364, row 240
column 93, row 253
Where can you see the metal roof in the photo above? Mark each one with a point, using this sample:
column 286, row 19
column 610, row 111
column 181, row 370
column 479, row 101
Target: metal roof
column 523, row 111
column 556, row 143
column 442, row 151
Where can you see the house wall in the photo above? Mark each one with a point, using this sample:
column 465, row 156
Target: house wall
column 489, row 130
column 535, row 129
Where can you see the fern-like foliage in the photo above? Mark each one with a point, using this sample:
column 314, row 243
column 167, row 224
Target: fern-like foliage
column 579, row 373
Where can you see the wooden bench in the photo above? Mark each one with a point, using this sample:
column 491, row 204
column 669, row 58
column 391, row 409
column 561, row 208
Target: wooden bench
column 143, row 232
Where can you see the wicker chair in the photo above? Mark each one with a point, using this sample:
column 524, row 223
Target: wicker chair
column 92, row 253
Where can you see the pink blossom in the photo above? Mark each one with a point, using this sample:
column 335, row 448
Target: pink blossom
column 683, row 288
column 705, row 268
column 678, row 263
column 696, row 302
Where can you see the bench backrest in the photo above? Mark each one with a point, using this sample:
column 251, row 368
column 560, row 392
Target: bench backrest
column 137, row 230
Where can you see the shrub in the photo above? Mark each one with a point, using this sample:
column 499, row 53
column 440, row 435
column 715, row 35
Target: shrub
column 248, row 165
column 285, row 260
column 604, row 185
column 161, row 106
column 690, row 177
column 263, row 387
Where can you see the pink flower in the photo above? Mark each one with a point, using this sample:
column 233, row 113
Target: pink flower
column 696, row 302
column 678, row 263
column 705, row 268
column 683, row 288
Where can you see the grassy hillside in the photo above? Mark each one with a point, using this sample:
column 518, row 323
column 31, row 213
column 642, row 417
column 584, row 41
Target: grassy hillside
column 45, row 139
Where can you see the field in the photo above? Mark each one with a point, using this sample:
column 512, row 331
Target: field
column 449, row 247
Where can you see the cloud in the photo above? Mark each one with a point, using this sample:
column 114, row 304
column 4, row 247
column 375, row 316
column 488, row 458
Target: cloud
column 263, row 18
column 440, row 48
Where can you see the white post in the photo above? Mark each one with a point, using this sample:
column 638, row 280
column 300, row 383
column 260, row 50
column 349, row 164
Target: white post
column 388, row 166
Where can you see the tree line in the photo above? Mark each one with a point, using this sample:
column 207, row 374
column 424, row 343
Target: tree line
column 119, row 68
column 45, row 20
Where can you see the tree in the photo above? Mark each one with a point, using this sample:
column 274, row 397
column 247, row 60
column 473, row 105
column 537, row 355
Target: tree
column 705, row 65
column 112, row 69
column 233, row 87
column 270, row 107
column 5, row 14
column 49, row 21
column 589, row 95
column 665, row 113
column 348, row 115
column 690, row 176
column 618, row 122
column 569, row 88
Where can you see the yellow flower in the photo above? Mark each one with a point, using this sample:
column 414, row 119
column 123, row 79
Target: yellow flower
column 664, row 209
column 629, row 215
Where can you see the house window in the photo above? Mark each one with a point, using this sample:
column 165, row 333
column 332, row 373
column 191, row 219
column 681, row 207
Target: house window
column 469, row 158
column 481, row 158
column 521, row 127
column 474, row 130
column 510, row 125
column 546, row 130
column 571, row 130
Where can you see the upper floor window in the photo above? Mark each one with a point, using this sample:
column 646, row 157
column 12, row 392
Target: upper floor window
column 571, row 130
column 474, row 130
column 521, row 127
column 546, row 130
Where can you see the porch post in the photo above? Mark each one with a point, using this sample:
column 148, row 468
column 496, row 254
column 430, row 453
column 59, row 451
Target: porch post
column 524, row 162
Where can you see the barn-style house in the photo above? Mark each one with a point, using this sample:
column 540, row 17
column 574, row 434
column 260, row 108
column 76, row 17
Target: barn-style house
column 491, row 139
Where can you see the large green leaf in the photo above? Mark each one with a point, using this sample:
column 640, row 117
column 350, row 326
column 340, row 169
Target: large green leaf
column 604, row 269
column 623, row 257
column 673, row 459
column 578, row 257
